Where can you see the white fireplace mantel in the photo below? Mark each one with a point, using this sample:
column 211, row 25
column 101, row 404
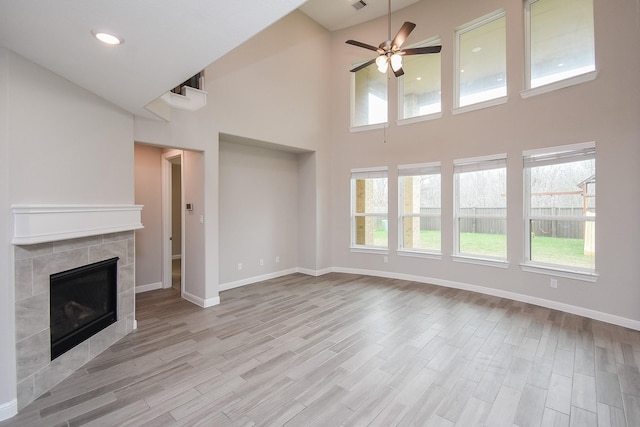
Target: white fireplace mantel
column 48, row 223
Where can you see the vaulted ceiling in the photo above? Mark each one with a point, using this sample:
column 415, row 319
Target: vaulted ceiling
column 165, row 41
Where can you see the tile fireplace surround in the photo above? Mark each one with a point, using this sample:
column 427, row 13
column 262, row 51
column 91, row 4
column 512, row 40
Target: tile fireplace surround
column 51, row 239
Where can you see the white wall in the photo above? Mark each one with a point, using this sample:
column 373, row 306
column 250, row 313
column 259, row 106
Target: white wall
column 58, row 144
column 8, row 403
column 258, row 211
column 148, row 192
column 605, row 110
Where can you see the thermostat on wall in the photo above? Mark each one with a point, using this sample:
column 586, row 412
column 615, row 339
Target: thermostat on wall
column 189, row 206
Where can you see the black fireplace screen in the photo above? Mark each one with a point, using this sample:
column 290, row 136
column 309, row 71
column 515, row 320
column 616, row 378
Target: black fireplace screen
column 83, row 302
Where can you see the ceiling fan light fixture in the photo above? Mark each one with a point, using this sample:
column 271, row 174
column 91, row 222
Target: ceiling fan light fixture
column 382, row 63
column 396, row 62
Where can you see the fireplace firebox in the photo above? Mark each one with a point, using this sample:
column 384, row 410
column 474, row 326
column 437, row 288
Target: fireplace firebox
column 83, row 302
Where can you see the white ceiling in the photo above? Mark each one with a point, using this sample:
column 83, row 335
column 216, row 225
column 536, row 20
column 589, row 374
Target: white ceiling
column 339, row 14
column 166, row 41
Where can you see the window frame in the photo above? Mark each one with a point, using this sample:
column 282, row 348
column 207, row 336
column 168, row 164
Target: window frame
column 557, row 84
column 364, row 173
column 418, row 169
column 434, row 41
column 470, row 26
column 496, row 161
column 352, row 107
column 547, row 156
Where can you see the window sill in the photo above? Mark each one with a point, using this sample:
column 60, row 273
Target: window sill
column 561, row 84
column 480, row 105
column 368, row 127
column 487, row 262
column 369, row 250
column 418, row 119
column 586, row 276
column 419, row 254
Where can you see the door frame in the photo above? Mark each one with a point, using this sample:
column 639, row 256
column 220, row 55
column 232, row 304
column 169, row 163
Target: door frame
column 167, row 162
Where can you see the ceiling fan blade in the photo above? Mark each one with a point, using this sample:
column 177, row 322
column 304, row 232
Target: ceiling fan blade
column 360, row 44
column 399, row 72
column 421, row 50
column 365, row 65
column 402, row 35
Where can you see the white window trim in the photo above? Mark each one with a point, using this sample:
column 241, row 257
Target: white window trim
column 543, row 268
column 431, row 116
column 528, row 92
column 457, row 109
column 560, row 84
column 431, row 168
column 352, row 106
column 472, row 258
column 372, row 172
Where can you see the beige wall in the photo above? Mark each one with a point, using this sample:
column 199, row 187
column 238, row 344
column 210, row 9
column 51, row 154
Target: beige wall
column 605, row 110
column 258, row 211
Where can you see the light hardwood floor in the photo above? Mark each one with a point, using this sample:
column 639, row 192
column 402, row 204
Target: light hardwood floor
column 348, row 350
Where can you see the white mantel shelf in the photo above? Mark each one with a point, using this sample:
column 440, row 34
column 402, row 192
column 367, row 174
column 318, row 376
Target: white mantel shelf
column 49, row 223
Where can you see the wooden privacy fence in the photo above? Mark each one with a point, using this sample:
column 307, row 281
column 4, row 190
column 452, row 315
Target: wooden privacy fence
column 497, row 225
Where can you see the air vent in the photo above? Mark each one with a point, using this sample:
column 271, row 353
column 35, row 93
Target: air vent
column 359, row 5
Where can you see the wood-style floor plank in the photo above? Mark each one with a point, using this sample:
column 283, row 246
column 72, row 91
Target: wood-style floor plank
column 351, row 350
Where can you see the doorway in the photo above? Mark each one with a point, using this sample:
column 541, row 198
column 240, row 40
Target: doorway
column 172, row 221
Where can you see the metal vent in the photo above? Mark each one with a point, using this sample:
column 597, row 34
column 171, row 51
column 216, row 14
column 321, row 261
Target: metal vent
column 359, row 5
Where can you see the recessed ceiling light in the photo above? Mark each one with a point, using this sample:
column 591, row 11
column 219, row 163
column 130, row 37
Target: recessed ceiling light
column 476, row 49
column 107, row 38
column 418, row 78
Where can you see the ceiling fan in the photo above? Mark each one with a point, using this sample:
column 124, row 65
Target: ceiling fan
column 390, row 52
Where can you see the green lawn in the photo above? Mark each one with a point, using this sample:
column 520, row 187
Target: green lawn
column 552, row 250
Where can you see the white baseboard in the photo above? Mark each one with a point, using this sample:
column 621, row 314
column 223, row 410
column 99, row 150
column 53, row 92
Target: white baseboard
column 314, row 273
column 555, row 305
column 255, row 279
column 8, row 409
column 148, row 287
column 204, row 303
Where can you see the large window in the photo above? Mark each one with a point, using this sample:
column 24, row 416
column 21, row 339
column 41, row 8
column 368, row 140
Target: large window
column 368, row 97
column 369, row 208
column 419, row 207
column 482, row 62
column 419, row 87
column 560, row 203
column 560, row 41
column 481, row 207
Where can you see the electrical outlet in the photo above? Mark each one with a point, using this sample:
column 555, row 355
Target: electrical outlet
column 553, row 283
column 277, row 259
column 261, row 262
column 239, row 266
column 386, row 259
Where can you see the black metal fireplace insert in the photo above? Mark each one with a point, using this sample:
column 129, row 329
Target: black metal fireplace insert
column 83, row 302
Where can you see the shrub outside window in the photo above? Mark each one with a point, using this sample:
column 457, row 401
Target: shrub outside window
column 369, row 208
column 481, row 207
column 419, row 87
column 419, row 206
column 560, row 40
column 481, row 71
column 560, row 207
column 368, row 97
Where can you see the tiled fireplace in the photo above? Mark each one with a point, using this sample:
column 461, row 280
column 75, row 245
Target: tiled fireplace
column 94, row 238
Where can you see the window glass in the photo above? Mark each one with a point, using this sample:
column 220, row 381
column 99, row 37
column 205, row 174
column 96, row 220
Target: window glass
column 561, row 195
column 369, row 97
column 482, row 64
column 420, row 86
column 369, row 209
column 481, row 208
column 561, row 40
column 419, row 207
